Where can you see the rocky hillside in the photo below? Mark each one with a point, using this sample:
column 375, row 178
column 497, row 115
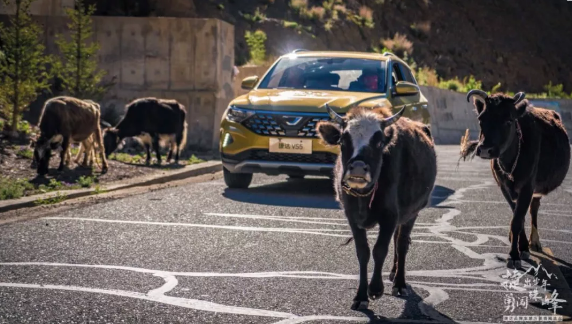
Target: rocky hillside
column 523, row 44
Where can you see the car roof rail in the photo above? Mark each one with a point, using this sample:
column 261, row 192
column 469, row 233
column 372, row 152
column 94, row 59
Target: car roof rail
column 300, row 50
column 389, row 54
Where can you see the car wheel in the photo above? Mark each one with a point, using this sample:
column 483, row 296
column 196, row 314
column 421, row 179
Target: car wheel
column 296, row 176
column 237, row 180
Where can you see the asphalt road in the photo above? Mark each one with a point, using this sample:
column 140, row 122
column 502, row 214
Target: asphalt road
column 202, row 253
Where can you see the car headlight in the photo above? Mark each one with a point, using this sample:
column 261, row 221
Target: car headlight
column 238, row 115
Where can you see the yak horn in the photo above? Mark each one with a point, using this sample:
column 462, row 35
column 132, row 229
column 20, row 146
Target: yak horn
column 390, row 120
column 479, row 93
column 519, row 97
column 334, row 116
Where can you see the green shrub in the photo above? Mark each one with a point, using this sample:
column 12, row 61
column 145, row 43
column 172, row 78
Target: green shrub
column 299, row 4
column 85, row 182
column 24, row 127
column 452, row 84
column 195, row 160
column 59, row 197
column 256, row 46
column 495, row 89
column 25, row 153
column 256, row 17
column 427, row 77
column 556, row 91
column 471, row 83
column 13, row 189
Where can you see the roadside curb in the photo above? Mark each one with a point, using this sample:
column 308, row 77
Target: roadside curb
column 153, row 179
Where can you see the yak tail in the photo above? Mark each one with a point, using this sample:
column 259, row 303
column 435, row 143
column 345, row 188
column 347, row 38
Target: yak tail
column 184, row 139
column 347, row 242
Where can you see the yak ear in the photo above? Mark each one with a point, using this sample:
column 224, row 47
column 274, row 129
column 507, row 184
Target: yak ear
column 329, row 132
column 479, row 104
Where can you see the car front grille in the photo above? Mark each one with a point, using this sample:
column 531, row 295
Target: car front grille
column 288, row 124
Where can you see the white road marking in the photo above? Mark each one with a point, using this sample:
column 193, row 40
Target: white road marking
column 487, row 274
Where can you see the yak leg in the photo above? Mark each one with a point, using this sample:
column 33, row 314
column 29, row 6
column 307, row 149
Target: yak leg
column 172, row 146
column 179, row 140
column 99, row 140
column 88, row 152
column 534, row 237
column 394, row 268
column 156, row 148
column 403, row 241
column 522, row 240
column 510, row 202
column 386, row 229
column 517, row 224
column 148, row 150
column 64, row 153
column 81, row 150
column 362, row 250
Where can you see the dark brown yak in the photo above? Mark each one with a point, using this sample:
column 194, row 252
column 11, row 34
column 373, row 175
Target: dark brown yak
column 530, row 155
column 384, row 175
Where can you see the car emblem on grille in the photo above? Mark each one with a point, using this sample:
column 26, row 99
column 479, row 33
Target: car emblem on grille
column 291, row 121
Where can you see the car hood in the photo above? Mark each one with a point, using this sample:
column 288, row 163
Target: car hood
column 305, row 100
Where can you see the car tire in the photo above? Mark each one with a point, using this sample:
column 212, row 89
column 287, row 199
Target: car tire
column 237, row 180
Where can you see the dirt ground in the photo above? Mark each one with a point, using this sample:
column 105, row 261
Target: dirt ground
column 15, row 165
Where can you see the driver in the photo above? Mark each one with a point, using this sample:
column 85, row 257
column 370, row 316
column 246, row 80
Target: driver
column 370, row 80
column 294, row 77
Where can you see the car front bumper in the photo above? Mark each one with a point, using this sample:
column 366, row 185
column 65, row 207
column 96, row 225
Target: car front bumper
column 243, row 151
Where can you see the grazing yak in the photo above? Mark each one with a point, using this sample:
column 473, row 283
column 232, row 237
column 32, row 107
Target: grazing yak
column 384, row 175
column 153, row 121
column 66, row 120
column 530, row 155
column 89, row 148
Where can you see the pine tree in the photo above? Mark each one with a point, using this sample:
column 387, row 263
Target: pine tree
column 23, row 63
column 78, row 68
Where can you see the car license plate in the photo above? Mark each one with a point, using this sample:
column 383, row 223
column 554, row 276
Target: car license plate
column 290, row 145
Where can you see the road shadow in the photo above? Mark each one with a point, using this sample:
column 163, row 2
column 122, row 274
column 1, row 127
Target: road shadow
column 410, row 311
column 440, row 194
column 306, row 193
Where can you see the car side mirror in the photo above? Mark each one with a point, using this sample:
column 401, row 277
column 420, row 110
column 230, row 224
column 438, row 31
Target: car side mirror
column 404, row 88
column 249, row 82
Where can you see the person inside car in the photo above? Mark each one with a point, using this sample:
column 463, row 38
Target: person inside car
column 293, row 78
column 367, row 81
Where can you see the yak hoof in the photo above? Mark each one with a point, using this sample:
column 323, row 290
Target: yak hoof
column 396, row 291
column 391, row 276
column 375, row 294
column 513, row 264
column 524, row 255
column 360, row 305
column 536, row 246
column 104, row 170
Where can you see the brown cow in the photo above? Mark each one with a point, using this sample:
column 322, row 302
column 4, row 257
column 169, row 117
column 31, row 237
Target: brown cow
column 65, row 120
column 530, row 155
column 380, row 156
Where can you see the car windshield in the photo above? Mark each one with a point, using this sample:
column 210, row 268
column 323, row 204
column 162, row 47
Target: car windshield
column 326, row 73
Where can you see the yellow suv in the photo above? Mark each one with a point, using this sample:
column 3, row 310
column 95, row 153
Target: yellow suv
column 271, row 129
